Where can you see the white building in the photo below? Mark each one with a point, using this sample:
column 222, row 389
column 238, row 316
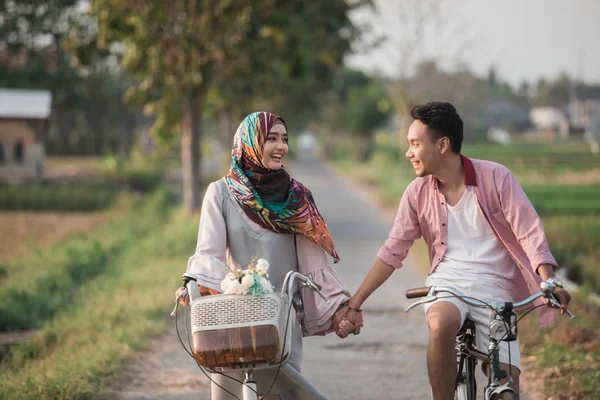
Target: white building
column 24, row 124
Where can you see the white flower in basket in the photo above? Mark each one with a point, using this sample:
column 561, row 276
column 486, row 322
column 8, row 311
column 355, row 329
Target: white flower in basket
column 254, row 280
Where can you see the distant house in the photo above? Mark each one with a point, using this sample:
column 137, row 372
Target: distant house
column 24, row 124
column 549, row 119
column 584, row 106
column 504, row 114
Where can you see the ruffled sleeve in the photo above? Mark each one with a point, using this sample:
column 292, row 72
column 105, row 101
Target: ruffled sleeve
column 318, row 315
column 207, row 263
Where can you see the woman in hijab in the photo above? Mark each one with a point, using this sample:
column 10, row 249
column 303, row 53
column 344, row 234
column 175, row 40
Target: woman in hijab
column 259, row 211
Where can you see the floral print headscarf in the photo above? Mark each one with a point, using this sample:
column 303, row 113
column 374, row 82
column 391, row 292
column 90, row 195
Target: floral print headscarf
column 272, row 198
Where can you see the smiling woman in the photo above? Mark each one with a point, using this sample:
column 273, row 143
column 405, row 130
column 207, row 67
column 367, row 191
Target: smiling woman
column 276, row 146
column 259, row 211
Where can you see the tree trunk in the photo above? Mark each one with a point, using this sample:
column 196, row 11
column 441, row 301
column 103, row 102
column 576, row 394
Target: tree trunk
column 62, row 130
column 190, row 154
column 226, row 127
column 126, row 142
column 97, row 136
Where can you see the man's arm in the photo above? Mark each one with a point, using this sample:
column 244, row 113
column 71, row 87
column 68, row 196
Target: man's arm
column 528, row 229
column 377, row 275
column 404, row 232
column 524, row 221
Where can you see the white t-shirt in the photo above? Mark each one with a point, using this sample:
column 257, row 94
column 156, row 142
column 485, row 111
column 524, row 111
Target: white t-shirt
column 473, row 251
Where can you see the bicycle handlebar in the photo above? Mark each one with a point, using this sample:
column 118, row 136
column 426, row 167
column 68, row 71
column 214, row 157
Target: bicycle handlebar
column 547, row 288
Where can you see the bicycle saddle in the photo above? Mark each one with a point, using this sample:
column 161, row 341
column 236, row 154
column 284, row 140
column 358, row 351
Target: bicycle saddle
column 466, row 326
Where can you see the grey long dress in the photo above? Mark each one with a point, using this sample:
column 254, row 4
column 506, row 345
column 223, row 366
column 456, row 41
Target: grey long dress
column 244, row 242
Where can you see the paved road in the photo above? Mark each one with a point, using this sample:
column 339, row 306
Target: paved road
column 386, row 361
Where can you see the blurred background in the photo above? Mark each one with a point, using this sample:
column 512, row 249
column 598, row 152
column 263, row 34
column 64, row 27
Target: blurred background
column 115, row 115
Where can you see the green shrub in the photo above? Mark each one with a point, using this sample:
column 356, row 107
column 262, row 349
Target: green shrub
column 141, row 179
column 36, row 301
column 72, row 196
column 98, row 299
column 575, row 242
column 564, row 199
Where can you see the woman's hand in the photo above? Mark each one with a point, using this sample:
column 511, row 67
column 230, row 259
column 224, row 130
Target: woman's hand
column 344, row 328
column 183, row 301
column 204, row 291
column 347, row 321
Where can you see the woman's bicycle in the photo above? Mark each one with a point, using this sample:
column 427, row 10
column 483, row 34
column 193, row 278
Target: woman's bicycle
column 244, row 333
column 503, row 327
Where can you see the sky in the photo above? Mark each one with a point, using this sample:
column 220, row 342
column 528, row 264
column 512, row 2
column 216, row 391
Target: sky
column 523, row 40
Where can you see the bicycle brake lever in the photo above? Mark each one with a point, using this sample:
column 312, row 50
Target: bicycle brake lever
column 556, row 304
column 312, row 286
column 175, row 308
column 181, row 296
column 424, row 300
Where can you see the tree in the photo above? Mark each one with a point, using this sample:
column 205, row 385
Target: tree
column 177, row 51
column 418, row 31
column 356, row 104
column 554, row 93
column 35, row 54
column 31, row 32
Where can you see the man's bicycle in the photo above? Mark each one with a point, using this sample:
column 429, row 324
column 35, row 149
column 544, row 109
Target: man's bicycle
column 503, row 327
column 244, row 333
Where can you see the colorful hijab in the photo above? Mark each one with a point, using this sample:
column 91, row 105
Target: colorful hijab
column 272, row 198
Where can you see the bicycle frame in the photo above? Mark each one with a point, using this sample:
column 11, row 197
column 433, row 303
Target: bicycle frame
column 249, row 386
column 467, row 357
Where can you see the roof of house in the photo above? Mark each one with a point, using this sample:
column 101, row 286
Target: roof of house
column 588, row 92
column 21, row 103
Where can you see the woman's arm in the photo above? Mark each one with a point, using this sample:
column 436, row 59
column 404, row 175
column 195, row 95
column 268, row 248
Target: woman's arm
column 318, row 314
column 208, row 262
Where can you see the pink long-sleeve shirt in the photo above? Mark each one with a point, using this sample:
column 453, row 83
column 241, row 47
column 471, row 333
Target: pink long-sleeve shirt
column 423, row 212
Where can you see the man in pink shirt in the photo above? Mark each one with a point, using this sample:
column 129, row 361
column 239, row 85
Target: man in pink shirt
column 483, row 235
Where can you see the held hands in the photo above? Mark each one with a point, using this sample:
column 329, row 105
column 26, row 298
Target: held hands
column 347, row 320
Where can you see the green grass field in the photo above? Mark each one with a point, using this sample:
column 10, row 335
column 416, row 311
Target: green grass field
column 103, row 293
column 549, row 158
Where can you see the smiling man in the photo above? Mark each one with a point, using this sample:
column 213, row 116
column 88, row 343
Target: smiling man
column 484, row 239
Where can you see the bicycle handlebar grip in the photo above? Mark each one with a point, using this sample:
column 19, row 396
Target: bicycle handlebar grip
column 417, row 292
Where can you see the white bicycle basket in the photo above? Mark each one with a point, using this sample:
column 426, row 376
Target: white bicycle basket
column 241, row 331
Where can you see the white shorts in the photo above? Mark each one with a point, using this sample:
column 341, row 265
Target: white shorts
column 480, row 316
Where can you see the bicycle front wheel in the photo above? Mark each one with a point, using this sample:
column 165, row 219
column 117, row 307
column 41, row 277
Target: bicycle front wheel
column 466, row 389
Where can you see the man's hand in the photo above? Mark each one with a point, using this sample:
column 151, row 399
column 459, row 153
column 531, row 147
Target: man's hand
column 347, row 321
column 546, row 271
column 563, row 297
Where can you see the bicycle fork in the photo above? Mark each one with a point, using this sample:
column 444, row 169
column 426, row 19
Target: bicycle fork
column 496, row 374
column 249, row 388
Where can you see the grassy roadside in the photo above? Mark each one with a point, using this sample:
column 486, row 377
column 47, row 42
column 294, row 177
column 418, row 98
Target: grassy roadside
column 95, row 299
column 563, row 362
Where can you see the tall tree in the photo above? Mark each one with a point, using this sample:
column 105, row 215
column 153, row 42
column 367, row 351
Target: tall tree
column 36, row 53
column 356, row 104
column 177, row 51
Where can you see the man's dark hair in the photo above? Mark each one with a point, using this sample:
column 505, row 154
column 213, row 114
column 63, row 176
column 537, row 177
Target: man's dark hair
column 441, row 120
